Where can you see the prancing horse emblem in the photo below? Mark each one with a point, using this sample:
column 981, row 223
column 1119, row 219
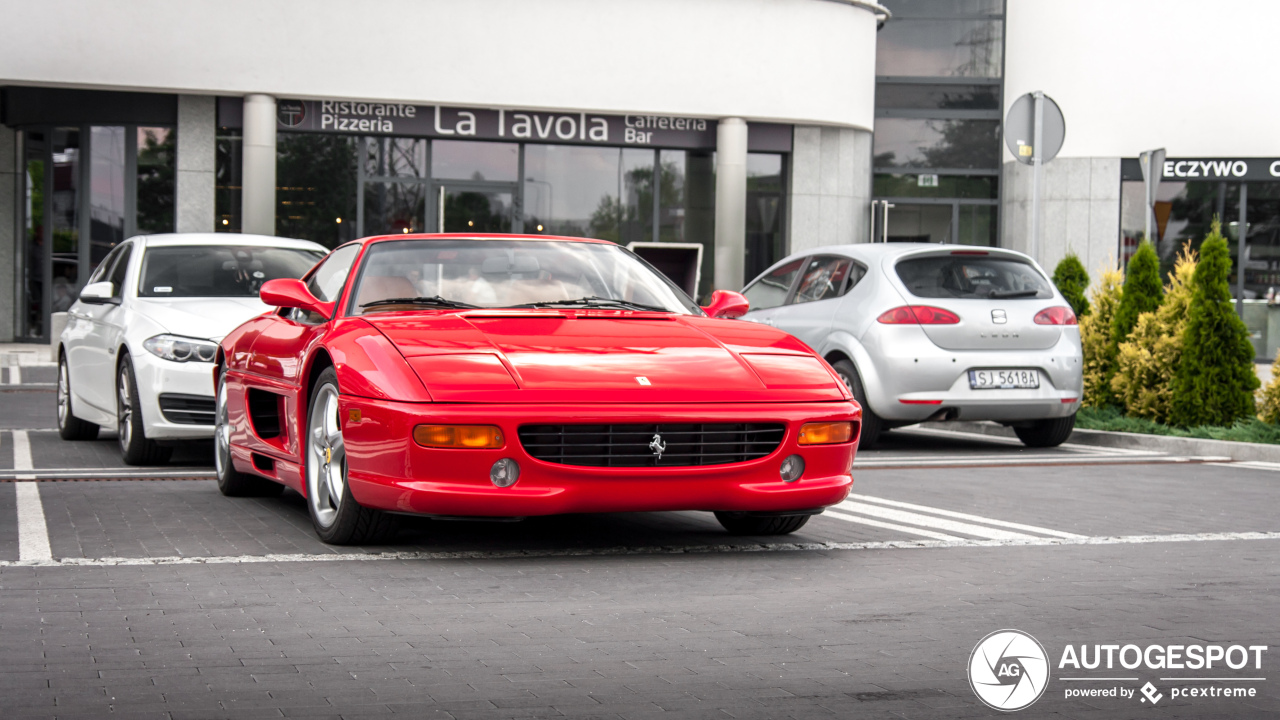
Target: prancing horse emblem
column 657, row 446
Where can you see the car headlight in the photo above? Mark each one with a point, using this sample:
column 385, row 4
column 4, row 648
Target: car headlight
column 180, row 349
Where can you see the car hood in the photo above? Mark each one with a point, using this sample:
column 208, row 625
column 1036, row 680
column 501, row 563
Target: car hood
column 605, row 356
column 210, row 318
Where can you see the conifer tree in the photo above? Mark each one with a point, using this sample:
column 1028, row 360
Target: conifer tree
column 1072, row 280
column 1142, row 292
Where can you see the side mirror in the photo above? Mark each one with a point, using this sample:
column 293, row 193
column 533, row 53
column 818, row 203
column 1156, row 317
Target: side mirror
column 727, row 304
column 293, row 293
column 99, row 293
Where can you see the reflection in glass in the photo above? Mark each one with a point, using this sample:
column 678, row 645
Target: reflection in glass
column 912, row 96
column 920, row 223
column 106, row 191
column 34, row 225
column 480, row 211
column 155, row 179
column 625, row 214
column 394, row 208
column 958, row 186
column 227, row 178
column 940, row 48
column 471, row 160
column 316, row 187
column 977, row 225
column 567, row 188
column 62, row 212
column 766, row 242
column 395, row 157
column 943, row 8
column 908, row 142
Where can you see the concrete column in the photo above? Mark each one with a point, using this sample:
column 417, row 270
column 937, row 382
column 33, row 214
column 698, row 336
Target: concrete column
column 197, row 139
column 731, row 203
column 258, row 196
column 829, row 201
column 1079, row 211
column 10, row 238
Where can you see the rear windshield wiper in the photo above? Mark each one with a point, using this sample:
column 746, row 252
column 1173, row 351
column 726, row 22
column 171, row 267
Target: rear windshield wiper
column 1001, row 295
column 595, row 301
column 433, row 301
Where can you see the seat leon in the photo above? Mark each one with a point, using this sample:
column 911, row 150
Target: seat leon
column 138, row 351
column 938, row 332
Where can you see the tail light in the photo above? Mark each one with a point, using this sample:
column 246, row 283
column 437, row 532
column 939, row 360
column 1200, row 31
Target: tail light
column 1056, row 316
column 921, row 314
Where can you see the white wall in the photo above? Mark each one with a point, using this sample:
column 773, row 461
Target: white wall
column 1131, row 75
column 803, row 61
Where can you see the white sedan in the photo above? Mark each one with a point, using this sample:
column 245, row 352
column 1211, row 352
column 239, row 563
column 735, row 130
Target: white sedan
column 137, row 355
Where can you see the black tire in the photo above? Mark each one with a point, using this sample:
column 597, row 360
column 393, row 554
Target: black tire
column 743, row 524
column 232, row 482
column 872, row 425
column 135, row 448
column 1046, row 433
column 349, row 523
column 70, row 427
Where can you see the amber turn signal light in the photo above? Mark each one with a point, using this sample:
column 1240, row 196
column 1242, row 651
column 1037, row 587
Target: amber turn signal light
column 826, row 433
column 458, row 436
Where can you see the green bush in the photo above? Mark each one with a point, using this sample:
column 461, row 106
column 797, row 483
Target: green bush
column 1111, row 419
column 1072, row 280
column 1095, row 337
column 1215, row 381
column 1142, row 292
column 1146, row 361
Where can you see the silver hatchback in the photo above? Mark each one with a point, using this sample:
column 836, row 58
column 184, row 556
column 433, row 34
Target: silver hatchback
column 933, row 332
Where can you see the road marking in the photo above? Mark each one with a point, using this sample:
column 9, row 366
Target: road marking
column 888, row 526
column 33, row 533
column 15, row 375
column 931, row 522
column 1012, row 461
column 1252, row 465
column 964, row 516
column 22, row 455
column 656, row 550
column 107, row 474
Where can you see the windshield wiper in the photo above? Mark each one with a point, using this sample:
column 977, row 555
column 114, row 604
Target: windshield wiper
column 595, row 301
column 1001, row 295
column 433, row 301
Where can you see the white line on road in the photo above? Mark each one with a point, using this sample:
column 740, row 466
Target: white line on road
column 15, row 375
column 888, row 526
column 655, row 550
column 965, row 516
column 33, row 533
column 931, row 522
column 22, row 455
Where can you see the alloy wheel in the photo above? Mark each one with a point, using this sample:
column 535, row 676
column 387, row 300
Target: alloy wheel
column 327, row 464
column 222, row 433
column 64, row 394
column 124, row 409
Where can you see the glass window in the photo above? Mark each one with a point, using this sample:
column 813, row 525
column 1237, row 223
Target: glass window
column 64, row 216
column 914, row 96
column 316, row 187
column 943, row 8
column 908, row 142
column 472, row 160
column 940, row 186
column 218, row 270
column 393, row 208
column 497, row 273
column 34, row 220
column 771, row 290
column 624, row 212
column 823, row 279
column 395, row 157
column 940, row 48
column 120, row 270
column 106, row 191
column 477, row 210
column 970, row 276
column 156, row 147
column 99, row 273
column 766, row 200
column 327, row 281
column 581, row 191
column 977, row 225
column 227, row 179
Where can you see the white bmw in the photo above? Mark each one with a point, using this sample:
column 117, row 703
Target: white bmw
column 137, row 354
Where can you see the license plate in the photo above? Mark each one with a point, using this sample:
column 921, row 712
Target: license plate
column 1003, row 379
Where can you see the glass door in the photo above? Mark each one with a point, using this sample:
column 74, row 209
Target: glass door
column 480, row 207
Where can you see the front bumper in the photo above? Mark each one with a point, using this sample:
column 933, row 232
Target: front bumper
column 158, row 376
column 388, row 471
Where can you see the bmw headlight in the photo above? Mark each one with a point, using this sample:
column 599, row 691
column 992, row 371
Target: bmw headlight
column 181, row 349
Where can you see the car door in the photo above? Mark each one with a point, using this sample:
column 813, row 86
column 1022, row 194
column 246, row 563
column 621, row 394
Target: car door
column 810, row 311
column 772, row 290
column 96, row 357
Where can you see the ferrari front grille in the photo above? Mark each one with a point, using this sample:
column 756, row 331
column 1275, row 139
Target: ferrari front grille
column 651, row 445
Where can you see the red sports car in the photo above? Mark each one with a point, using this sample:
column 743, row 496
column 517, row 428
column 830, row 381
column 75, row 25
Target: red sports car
column 506, row 376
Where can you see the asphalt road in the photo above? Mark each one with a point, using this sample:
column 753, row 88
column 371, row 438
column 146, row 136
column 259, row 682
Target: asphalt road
column 160, row 598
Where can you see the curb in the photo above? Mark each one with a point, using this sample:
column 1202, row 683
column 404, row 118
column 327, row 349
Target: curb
column 1237, row 451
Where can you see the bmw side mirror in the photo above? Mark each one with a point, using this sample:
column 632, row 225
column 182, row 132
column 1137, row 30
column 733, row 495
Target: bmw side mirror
column 293, row 293
column 99, row 293
column 727, row 304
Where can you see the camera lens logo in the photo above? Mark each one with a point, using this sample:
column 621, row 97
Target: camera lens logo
column 1008, row 670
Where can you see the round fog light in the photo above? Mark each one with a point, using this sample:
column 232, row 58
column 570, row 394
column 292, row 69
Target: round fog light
column 505, row 472
column 792, row 468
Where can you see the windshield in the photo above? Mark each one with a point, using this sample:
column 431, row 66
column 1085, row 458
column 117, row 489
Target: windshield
column 967, row 276
column 218, row 270
column 510, row 273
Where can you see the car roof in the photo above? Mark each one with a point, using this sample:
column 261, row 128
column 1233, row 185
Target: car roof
column 897, row 249
column 172, row 239
column 481, row 236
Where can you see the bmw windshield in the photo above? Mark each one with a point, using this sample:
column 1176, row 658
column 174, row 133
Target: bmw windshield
column 460, row 274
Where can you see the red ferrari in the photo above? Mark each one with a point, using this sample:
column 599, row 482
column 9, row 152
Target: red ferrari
column 506, row 376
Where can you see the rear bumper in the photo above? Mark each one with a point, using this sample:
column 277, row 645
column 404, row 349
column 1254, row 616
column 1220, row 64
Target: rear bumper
column 389, row 471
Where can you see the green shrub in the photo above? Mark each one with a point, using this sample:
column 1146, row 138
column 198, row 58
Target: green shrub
column 1142, row 292
column 1215, row 381
column 1146, row 362
column 1095, row 337
column 1269, row 408
column 1072, row 280
column 1111, row 419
